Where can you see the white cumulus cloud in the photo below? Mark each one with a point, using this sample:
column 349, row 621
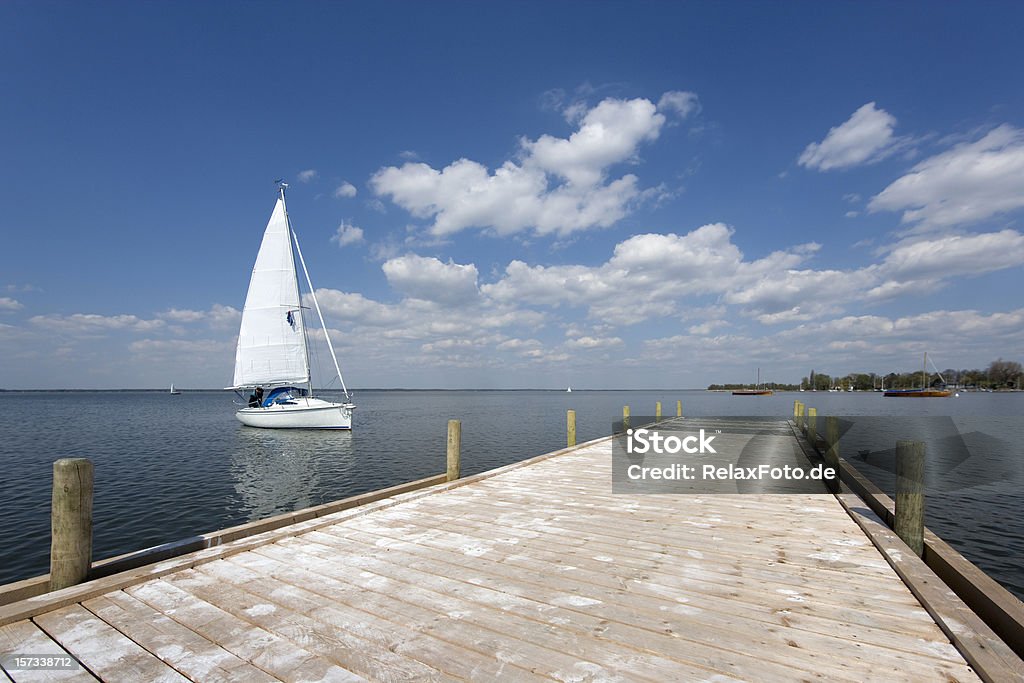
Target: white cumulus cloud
column 865, row 137
column 963, row 185
column 680, row 102
column 347, row 234
column 346, row 189
column 219, row 316
column 308, row 176
column 91, row 324
column 427, row 278
column 593, row 342
column 9, row 304
column 610, row 132
column 956, row 255
column 556, row 185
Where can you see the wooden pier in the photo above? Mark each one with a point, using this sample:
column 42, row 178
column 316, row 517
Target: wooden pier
column 535, row 571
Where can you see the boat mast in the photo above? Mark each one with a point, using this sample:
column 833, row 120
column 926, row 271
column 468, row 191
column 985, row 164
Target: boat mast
column 924, row 372
column 305, row 340
column 316, row 304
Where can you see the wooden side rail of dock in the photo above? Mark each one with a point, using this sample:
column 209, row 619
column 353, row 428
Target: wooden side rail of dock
column 995, row 605
column 532, row 572
column 35, row 586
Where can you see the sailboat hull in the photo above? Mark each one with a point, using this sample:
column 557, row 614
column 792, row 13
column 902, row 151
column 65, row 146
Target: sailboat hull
column 918, row 393
column 301, row 413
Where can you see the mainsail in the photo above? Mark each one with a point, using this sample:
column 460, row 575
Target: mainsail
column 272, row 340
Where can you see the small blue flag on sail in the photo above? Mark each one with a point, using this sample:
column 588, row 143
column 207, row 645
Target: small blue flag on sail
column 291, row 319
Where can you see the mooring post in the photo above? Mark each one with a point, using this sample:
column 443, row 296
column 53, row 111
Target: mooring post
column 679, row 408
column 71, row 522
column 800, row 416
column 910, row 494
column 796, row 409
column 832, row 450
column 625, row 418
column 812, row 426
column 570, row 428
column 454, row 449
column 657, row 410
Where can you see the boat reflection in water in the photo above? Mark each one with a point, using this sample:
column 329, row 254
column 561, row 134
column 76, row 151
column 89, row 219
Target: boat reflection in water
column 278, row 471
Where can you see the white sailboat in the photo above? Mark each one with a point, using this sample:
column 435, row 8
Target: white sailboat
column 273, row 353
column 174, row 392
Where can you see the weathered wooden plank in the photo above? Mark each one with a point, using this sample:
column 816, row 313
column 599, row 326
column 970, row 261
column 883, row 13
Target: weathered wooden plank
column 774, row 644
column 279, row 611
column 421, row 640
column 838, row 548
column 177, row 645
column 267, row 651
column 667, row 531
column 883, row 631
column 24, row 637
column 375, row 575
column 542, row 550
column 105, row 651
column 542, row 645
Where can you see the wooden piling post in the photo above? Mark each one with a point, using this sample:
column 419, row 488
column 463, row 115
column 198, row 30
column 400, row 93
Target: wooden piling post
column 71, row 522
column 657, row 410
column 909, row 523
column 625, row 418
column 812, row 426
column 796, row 409
column 679, row 408
column 570, row 428
column 454, row 449
column 832, row 449
column 800, row 417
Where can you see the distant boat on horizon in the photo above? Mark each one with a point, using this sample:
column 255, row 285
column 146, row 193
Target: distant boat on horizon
column 568, row 390
column 175, row 392
column 756, row 391
column 925, row 391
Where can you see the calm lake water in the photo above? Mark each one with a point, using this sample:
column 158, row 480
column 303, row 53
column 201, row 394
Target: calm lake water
column 168, row 467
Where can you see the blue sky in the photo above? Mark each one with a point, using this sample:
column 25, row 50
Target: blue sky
column 528, row 194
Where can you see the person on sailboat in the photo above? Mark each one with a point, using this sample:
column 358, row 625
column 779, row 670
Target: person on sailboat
column 256, row 398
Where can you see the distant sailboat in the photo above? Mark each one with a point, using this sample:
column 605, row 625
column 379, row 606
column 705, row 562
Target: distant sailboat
column 568, row 390
column 756, row 391
column 174, row 392
column 925, row 391
column 273, row 353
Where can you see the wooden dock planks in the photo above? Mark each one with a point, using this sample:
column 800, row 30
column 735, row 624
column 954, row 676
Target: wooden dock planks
column 539, row 572
column 24, row 637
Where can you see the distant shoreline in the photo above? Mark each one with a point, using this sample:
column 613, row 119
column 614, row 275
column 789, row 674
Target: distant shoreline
column 352, row 390
column 219, row 391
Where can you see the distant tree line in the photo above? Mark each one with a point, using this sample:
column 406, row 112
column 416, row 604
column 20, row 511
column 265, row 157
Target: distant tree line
column 1000, row 374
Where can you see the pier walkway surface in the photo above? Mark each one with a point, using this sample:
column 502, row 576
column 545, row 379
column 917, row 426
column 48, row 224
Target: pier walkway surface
column 535, row 571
